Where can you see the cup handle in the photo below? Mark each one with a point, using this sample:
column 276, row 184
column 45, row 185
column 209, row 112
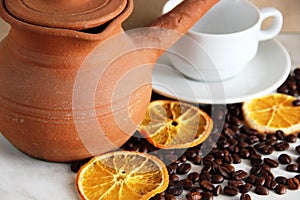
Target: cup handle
column 276, row 25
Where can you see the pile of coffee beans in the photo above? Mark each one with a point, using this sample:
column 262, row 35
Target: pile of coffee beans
column 209, row 169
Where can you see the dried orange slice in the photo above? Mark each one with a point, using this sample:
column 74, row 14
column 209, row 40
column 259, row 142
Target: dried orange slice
column 122, row 175
column 172, row 124
column 272, row 112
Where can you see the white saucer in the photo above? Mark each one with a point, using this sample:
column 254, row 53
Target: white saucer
column 263, row 75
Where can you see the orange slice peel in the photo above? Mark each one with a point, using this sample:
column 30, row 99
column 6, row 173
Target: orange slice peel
column 172, row 124
column 272, row 112
column 122, row 175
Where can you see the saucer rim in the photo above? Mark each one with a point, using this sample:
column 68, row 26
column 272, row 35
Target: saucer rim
column 286, row 70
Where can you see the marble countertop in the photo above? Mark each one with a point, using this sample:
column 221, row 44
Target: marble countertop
column 26, row 178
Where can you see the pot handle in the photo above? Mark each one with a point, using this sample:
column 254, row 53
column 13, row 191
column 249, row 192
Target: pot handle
column 180, row 19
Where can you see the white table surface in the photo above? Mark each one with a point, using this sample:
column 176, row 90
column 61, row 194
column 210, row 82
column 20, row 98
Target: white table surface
column 25, row 178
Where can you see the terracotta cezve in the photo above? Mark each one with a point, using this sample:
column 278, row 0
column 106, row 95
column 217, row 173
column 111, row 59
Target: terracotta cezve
column 39, row 61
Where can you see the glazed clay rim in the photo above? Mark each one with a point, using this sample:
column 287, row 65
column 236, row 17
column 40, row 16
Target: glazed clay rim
column 68, row 14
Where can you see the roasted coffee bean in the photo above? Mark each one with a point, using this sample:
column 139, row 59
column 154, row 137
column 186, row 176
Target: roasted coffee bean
column 245, row 197
column 261, row 190
column 299, row 135
column 260, row 181
column 215, row 168
column 281, row 146
column 240, row 175
column 219, row 161
column 292, row 168
column 174, row 178
column 271, row 136
column 283, row 89
column 170, row 197
column 245, row 188
column 291, row 138
column 193, row 196
column 298, row 177
column 176, row 189
column 285, row 159
column 186, row 184
column 296, row 102
column 233, row 149
column 223, row 172
column 194, row 177
column 248, row 130
column 281, row 180
column 230, row 190
column 217, row 178
column 297, row 72
column 280, row 189
column 204, row 176
column 233, row 141
column 255, row 156
column 223, row 144
column 256, row 161
column 226, row 152
column 273, row 185
column 272, row 141
column 252, row 151
column 243, row 145
column 252, row 139
column 170, row 170
column 279, row 134
column 228, row 159
column 297, row 148
column 291, row 84
column 207, row 168
column 182, row 158
column 190, row 154
column 270, row 162
column 256, row 170
column 298, row 160
column 208, row 157
column 270, row 183
column 241, row 138
column 197, row 160
column 293, row 183
column 251, row 179
column 244, row 153
column 229, row 133
column 207, row 185
column 197, row 189
column 174, row 165
column 266, row 167
column 266, row 172
column 159, row 196
column 184, row 168
column 235, row 129
column 236, row 121
column 75, row 166
column 267, row 149
column 260, row 146
column 228, row 167
column 235, row 183
column 236, row 158
column 207, row 195
column 217, row 190
column 262, row 137
column 219, row 154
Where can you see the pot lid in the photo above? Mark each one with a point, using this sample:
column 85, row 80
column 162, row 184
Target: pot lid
column 71, row 14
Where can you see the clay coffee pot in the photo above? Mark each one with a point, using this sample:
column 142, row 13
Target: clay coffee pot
column 47, row 61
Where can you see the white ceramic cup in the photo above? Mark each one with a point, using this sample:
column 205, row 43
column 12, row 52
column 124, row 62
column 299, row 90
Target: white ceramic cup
column 224, row 40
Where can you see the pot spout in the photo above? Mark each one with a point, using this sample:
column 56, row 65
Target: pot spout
column 178, row 21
